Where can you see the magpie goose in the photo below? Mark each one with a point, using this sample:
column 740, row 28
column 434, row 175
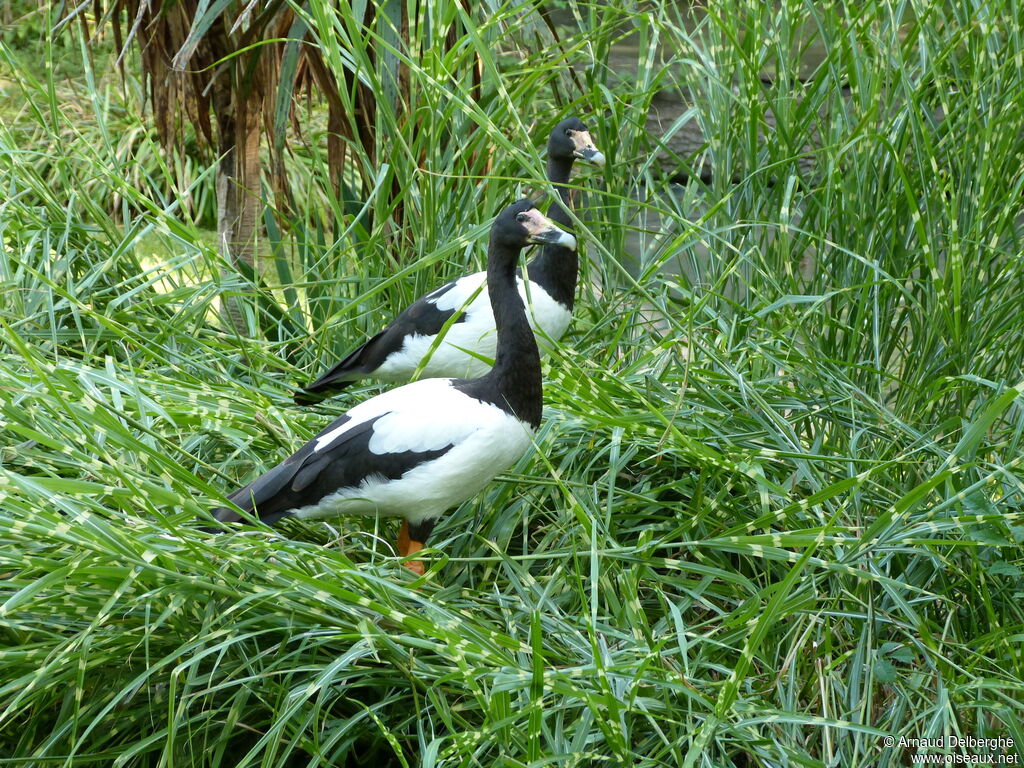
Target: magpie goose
column 395, row 353
column 422, row 448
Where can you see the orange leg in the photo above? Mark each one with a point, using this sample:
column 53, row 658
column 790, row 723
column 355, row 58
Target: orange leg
column 406, row 547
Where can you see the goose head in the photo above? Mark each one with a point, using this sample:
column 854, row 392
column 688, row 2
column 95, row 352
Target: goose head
column 570, row 140
column 521, row 224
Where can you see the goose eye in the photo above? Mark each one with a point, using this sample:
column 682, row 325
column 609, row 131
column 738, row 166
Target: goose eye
column 521, row 217
column 569, row 132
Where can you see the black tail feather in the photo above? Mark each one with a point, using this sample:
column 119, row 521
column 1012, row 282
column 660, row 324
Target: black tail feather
column 342, row 375
column 320, row 390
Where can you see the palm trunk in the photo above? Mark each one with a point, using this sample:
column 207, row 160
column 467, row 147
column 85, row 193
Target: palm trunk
column 238, row 188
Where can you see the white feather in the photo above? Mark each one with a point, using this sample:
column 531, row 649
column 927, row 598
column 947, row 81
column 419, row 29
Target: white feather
column 405, row 403
column 475, row 332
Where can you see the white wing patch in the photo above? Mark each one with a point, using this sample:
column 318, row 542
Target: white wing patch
column 456, row 296
column 474, row 332
column 426, row 415
column 436, row 416
column 393, row 400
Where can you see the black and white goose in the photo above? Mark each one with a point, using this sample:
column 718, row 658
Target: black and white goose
column 418, row 450
column 395, row 353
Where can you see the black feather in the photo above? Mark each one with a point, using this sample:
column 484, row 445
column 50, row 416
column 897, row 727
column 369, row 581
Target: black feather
column 308, row 476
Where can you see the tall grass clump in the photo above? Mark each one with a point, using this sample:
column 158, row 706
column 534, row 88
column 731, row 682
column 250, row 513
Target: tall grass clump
column 774, row 515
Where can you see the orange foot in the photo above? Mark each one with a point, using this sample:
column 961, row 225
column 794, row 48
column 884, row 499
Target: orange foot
column 406, row 547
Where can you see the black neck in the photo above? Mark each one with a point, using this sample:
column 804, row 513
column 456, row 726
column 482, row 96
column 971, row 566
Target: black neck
column 556, row 268
column 516, row 372
column 558, row 174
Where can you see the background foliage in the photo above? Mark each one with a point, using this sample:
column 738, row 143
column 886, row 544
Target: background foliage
column 775, row 510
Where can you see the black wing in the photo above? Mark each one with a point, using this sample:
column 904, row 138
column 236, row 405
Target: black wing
column 308, row 475
column 421, row 318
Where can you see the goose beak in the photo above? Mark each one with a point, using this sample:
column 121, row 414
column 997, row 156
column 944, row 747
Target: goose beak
column 543, row 231
column 591, row 155
column 552, row 235
column 585, row 150
column 556, row 236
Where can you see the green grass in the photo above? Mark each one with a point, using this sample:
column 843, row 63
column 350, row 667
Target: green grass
column 776, row 509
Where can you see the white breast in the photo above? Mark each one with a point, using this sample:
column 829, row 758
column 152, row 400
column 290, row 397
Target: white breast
column 456, row 355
